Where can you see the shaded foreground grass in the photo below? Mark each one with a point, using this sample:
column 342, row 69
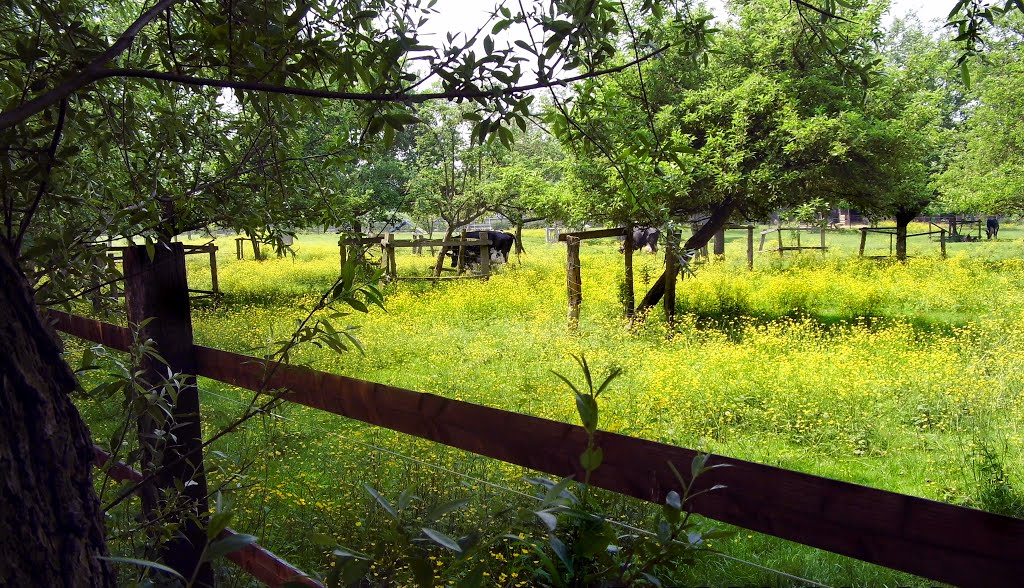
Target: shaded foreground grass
column 905, row 377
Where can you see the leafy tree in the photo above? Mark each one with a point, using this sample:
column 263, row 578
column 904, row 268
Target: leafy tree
column 985, row 170
column 776, row 117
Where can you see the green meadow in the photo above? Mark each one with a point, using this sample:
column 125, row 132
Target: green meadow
column 905, row 377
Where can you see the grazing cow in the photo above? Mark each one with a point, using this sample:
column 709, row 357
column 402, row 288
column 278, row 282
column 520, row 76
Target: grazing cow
column 992, row 227
column 501, row 243
column 645, row 238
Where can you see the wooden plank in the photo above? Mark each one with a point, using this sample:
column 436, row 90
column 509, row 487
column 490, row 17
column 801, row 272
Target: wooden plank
column 939, row 541
column 479, row 242
column 267, row 567
column 112, row 336
column 595, row 234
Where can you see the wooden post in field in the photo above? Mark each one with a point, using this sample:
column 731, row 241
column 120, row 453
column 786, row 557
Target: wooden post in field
column 671, row 271
column 574, row 279
column 750, row 247
column 798, row 237
column 720, row 243
column 863, row 239
column 157, row 289
column 942, row 242
column 387, row 256
column 890, row 244
column 822, row 240
column 781, row 252
column 213, row 268
column 239, row 249
column 629, row 298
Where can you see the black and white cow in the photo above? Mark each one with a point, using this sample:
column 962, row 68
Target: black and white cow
column 645, row 238
column 501, row 243
column 992, row 227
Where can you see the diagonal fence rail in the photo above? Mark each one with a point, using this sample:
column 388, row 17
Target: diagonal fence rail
column 942, row 542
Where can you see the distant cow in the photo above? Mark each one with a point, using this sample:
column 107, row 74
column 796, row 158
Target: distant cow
column 992, row 227
column 645, row 238
column 501, row 243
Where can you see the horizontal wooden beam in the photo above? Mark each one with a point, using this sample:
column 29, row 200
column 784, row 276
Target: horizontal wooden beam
column 361, row 241
column 939, row 541
column 442, row 243
column 595, row 234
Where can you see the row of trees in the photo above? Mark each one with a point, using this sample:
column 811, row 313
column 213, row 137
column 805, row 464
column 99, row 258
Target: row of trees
column 145, row 121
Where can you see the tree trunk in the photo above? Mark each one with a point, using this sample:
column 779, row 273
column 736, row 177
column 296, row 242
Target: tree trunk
column 902, row 220
column 50, row 515
column 719, row 217
column 444, row 249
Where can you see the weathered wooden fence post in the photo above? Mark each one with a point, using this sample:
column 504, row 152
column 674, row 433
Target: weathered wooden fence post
column 942, row 242
column 574, row 279
column 157, row 289
column 213, row 269
column 750, row 247
column 782, row 252
column 863, row 239
column 387, row 258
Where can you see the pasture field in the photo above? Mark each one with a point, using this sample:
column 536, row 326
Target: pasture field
column 906, row 377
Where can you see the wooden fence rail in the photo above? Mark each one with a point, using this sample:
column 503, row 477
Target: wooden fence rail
column 938, row 541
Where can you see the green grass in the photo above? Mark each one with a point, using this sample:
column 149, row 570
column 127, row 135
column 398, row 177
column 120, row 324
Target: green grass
column 905, row 377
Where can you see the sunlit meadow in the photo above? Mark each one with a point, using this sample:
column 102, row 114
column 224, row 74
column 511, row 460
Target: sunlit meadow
column 905, row 377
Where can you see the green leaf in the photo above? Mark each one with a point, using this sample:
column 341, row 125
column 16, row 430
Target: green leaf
column 591, row 458
column 548, row 518
column 442, row 540
column 561, row 551
column 586, row 406
column 439, row 511
column 229, row 544
column 218, row 522
column 673, row 500
column 144, row 564
column 965, row 74
column 383, row 502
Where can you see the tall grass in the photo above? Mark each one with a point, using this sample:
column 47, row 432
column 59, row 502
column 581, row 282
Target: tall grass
column 906, row 377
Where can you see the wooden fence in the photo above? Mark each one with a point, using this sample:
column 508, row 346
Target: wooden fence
column 389, row 243
column 938, row 541
column 891, row 231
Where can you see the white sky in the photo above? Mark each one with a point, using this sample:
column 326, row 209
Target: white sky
column 468, row 15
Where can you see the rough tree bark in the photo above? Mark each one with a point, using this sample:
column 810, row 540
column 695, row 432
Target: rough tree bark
column 51, row 518
column 903, row 219
column 719, row 218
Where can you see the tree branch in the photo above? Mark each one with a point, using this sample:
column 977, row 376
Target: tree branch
column 92, row 72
